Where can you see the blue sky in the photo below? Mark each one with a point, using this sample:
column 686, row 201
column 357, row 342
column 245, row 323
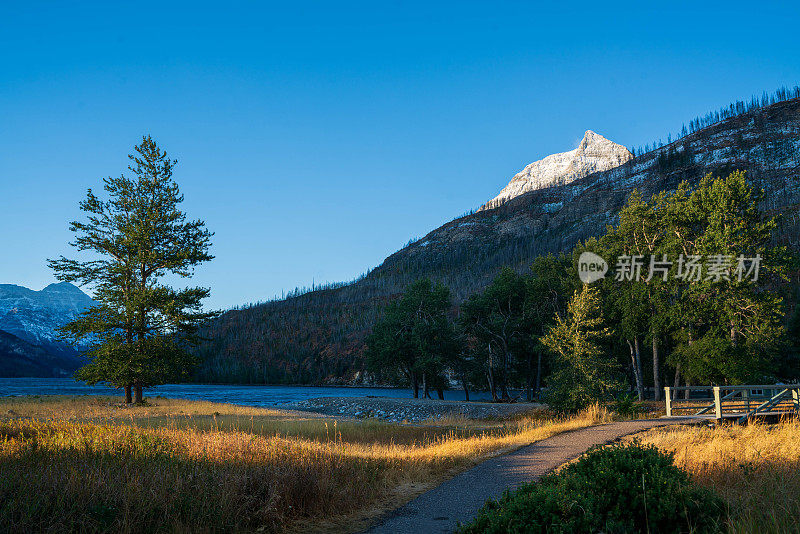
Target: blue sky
column 316, row 139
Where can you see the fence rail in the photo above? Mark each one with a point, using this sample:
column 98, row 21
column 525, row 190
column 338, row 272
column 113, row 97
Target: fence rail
column 734, row 402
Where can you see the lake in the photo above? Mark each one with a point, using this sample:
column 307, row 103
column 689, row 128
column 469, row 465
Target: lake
column 244, row 395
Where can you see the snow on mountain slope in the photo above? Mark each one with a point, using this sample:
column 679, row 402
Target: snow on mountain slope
column 594, row 153
column 35, row 316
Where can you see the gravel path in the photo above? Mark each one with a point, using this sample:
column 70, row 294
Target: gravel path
column 460, row 498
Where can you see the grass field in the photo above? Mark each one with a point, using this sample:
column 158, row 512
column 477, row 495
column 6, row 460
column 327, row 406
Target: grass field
column 91, row 464
column 755, row 468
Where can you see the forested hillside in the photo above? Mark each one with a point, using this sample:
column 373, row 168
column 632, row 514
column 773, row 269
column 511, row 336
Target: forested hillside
column 319, row 336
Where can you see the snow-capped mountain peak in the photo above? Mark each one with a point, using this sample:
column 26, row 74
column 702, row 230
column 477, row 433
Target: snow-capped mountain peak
column 595, row 153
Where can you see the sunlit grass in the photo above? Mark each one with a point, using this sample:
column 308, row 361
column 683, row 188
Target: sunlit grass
column 755, row 468
column 196, row 466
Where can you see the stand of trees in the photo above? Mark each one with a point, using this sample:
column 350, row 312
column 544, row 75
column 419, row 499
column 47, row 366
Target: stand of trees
column 654, row 319
column 415, row 338
column 493, row 338
column 721, row 327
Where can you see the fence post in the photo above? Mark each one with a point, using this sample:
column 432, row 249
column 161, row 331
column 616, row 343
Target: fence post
column 746, row 397
column 717, row 403
column 796, row 400
column 668, row 399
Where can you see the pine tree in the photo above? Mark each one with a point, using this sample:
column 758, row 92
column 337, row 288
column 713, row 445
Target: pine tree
column 140, row 327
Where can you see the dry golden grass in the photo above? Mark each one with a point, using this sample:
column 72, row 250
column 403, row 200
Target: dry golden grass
column 93, row 465
column 755, row 468
column 93, row 407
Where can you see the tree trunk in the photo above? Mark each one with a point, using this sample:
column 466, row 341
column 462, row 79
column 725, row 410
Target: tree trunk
column 492, row 390
column 687, row 392
column 656, row 370
column 538, row 372
column 529, row 383
column 415, row 384
column 640, row 387
column 425, row 393
column 677, row 381
column 506, row 359
column 633, row 361
column 466, row 387
column 440, row 393
column 128, row 394
column 490, row 376
column 137, row 394
column 637, row 378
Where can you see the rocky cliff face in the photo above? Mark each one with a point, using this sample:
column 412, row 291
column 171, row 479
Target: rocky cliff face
column 595, row 153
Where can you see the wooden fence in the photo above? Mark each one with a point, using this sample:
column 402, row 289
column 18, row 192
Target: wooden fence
column 733, row 402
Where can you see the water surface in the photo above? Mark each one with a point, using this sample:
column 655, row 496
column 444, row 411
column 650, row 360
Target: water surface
column 263, row 396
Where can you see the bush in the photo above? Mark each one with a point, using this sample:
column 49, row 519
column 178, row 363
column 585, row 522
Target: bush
column 615, row 489
column 626, row 405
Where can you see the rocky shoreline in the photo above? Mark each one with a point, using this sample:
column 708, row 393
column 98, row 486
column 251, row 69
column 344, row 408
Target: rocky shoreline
column 409, row 410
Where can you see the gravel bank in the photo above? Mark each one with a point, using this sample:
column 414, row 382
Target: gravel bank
column 409, row 410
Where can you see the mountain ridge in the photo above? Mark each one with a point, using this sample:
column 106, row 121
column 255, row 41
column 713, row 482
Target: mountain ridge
column 319, row 336
column 34, row 318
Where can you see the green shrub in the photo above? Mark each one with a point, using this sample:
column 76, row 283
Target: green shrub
column 626, row 405
column 615, row 489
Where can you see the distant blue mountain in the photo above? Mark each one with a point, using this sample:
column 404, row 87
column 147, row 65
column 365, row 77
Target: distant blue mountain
column 33, row 317
column 18, row 358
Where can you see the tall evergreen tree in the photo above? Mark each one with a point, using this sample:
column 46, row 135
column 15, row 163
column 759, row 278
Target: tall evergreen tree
column 140, row 327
